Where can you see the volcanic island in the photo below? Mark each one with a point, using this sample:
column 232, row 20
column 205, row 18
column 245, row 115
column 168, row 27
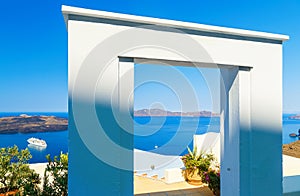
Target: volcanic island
column 32, row 124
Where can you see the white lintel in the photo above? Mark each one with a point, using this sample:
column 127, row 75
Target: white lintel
column 69, row 10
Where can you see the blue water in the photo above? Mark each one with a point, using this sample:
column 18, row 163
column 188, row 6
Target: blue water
column 163, row 135
column 289, row 126
column 160, row 131
column 170, row 135
column 56, row 141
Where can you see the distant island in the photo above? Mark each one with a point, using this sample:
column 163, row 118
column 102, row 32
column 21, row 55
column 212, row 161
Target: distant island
column 160, row 112
column 296, row 117
column 32, row 124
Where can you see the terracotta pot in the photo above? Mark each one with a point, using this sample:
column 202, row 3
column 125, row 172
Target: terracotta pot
column 9, row 193
column 192, row 176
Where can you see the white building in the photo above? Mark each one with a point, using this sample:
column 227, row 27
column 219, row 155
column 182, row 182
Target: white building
column 103, row 48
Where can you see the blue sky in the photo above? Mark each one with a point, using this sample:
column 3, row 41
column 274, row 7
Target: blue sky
column 173, row 88
column 33, row 37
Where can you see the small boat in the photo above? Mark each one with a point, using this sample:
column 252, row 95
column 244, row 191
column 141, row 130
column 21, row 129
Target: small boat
column 37, row 142
column 293, row 135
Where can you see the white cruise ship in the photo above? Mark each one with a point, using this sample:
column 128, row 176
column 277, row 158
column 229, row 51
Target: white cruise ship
column 37, row 142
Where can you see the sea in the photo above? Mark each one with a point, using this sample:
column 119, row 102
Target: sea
column 163, row 135
column 57, row 142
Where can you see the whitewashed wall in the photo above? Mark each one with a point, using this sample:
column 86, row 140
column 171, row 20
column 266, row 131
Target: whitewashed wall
column 251, row 102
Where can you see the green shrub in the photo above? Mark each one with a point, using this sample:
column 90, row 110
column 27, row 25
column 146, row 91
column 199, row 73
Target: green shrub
column 15, row 173
column 56, row 176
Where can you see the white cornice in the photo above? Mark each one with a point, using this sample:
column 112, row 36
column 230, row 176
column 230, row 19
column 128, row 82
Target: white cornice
column 68, row 10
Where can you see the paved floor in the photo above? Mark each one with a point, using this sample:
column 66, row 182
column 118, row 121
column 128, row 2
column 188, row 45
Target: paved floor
column 150, row 187
column 144, row 186
column 186, row 192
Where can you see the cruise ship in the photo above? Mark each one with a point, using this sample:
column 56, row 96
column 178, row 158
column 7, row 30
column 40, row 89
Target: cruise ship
column 37, row 142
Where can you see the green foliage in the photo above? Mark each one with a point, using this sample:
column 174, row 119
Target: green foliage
column 212, row 178
column 56, row 176
column 15, row 172
column 194, row 161
column 31, row 186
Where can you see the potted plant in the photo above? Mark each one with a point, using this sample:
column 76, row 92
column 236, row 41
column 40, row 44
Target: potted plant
column 212, row 178
column 15, row 175
column 195, row 164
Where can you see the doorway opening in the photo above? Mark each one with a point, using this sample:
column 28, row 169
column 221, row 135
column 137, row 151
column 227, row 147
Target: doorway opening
column 175, row 107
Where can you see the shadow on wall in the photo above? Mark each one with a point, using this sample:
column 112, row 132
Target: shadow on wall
column 83, row 155
column 291, row 186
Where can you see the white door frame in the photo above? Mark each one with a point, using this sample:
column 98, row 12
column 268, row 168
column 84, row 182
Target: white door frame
column 235, row 100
